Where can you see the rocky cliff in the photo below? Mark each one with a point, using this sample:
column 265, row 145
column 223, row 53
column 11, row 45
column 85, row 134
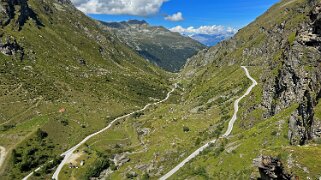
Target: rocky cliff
column 298, row 80
column 285, row 41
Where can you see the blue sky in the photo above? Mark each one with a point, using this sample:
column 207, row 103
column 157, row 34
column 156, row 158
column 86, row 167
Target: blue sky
column 236, row 13
column 188, row 17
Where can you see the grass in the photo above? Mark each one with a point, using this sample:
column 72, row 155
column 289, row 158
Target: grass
column 167, row 138
column 291, row 38
column 115, row 81
column 260, row 139
column 53, row 75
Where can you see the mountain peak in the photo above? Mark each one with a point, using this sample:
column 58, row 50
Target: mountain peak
column 157, row 44
column 64, row 1
column 138, row 22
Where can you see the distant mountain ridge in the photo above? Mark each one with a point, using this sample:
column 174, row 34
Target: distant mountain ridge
column 208, row 39
column 157, row 44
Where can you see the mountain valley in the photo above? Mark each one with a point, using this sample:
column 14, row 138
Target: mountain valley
column 83, row 99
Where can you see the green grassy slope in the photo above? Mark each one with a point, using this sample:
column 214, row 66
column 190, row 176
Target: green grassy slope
column 68, row 64
column 199, row 112
column 166, row 143
column 268, row 46
column 157, row 140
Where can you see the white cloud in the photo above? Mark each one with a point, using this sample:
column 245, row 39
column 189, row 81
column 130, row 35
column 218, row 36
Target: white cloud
column 175, row 17
column 129, row 7
column 210, row 30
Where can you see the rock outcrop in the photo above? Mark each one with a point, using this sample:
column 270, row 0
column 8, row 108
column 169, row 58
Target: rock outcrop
column 10, row 47
column 271, row 168
column 18, row 11
column 299, row 80
column 120, row 159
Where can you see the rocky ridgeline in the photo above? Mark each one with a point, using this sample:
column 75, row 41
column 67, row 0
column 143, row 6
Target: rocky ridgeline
column 10, row 9
column 157, row 44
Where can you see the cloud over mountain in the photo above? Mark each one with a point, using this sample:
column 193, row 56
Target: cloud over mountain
column 175, row 17
column 128, row 7
column 210, row 30
column 207, row 35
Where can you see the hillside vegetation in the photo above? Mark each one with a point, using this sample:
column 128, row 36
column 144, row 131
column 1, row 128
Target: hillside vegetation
column 67, row 99
column 60, row 74
column 281, row 50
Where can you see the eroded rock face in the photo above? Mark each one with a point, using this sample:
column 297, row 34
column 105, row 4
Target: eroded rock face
column 271, row 168
column 301, row 123
column 19, row 9
column 121, row 159
column 298, row 81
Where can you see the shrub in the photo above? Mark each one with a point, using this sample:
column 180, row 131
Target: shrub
column 131, row 175
column 98, row 166
column 64, row 122
column 219, row 150
column 274, row 133
column 137, row 114
column 200, row 171
column 7, row 127
column 41, row 134
column 225, row 117
column 145, row 176
column 291, row 38
column 186, row 129
column 197, row 142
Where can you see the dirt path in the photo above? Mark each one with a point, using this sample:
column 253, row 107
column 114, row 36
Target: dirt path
column 22, row 113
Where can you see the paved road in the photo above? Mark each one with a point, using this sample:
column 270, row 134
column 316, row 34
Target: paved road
column 3, row 154
column 227, row 133
column 68, row 153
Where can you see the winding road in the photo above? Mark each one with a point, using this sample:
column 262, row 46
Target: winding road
column 3, row 154
column 68, row 153
column 226, row 134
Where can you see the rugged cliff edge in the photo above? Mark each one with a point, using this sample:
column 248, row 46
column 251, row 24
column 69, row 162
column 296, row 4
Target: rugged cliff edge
column 298, row 80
